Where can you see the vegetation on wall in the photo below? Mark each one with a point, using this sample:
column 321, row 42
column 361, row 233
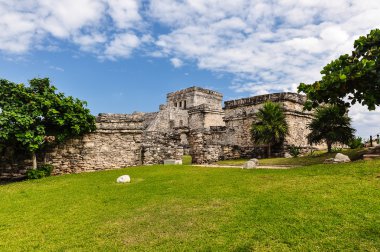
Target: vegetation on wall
column 355, row 76
column 35, row 116
column 270, row 126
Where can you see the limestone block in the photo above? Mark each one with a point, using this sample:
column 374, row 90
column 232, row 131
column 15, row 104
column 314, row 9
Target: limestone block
column 172, row 162
column 287, row 155
column 252, row 163
column 124, row 179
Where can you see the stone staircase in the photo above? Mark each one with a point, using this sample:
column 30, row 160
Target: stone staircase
column 372, row 153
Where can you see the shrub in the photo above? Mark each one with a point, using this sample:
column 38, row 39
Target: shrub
column 47, row 168
column 356, row 143
column 294, row 151
column 35, row 174
column 336, row 149
column 41, row 172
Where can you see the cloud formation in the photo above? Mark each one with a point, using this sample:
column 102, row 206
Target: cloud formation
column 273, row 44
column 269, row 46
column 95, row 26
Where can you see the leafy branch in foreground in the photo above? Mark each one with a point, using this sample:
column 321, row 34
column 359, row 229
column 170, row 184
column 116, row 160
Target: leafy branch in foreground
column 355, row 77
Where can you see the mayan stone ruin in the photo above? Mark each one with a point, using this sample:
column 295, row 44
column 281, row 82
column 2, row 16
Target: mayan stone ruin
column 193, row 121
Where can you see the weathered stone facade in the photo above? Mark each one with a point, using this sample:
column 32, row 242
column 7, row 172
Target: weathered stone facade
column 210, row 144
column 119, row 141
column 192, row 121
column 239, row 115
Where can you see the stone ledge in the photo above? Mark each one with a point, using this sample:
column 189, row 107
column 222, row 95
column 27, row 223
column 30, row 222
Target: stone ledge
column 276, row 97
column 193, row 89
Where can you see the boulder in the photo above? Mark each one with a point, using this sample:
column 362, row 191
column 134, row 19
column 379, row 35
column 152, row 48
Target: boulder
column 339, row 158
column 124, row 179
column 342, row 158
column 252, row 163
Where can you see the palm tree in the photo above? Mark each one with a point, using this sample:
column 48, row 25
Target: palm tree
column 270, row 126
column 331, row 125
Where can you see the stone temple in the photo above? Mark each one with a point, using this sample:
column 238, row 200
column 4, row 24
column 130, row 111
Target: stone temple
column 193, row 121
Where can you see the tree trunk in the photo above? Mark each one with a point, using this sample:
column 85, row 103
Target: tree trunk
column 329, row 147
column 269, row 152
column 34, row 158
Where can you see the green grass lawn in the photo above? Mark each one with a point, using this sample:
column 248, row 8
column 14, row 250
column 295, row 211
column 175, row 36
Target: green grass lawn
column 317, row 158
column 177, row 208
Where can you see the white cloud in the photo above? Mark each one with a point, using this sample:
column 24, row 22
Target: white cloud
column 122, row 46
column 60, row 69
column 125, row 13
column 366, row 122
column 93, row 25
column 279, row 44
column 176, row 62
column 268, row 46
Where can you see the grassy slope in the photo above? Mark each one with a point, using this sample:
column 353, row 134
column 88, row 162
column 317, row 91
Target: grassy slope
column 317, row 158
column 321, row 207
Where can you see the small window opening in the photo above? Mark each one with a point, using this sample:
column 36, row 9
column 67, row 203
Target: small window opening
column 184, row 104
column 180, row 104
column 171, row 124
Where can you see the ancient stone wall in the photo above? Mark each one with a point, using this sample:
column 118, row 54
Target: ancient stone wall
column 203, row 116
column 239, row 115
column 13, row 165
column 202, row 148
column 119, row 141
column 149, row 118
column 116, row 143
column 158, row 146
column 169, row 118
column 192, row 121
column 209, row 144
column 195, row 96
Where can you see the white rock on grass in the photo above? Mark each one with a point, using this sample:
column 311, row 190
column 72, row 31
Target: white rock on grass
column 339, row 158
column 124, row 179
column 342, row 158
column 252, row 163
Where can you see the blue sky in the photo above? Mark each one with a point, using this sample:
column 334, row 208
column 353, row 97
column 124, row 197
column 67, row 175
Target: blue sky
column 125, row 55
column 122, row 86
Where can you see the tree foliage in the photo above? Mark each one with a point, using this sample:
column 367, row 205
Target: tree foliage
column 356, row 76
column 330, row 125
column 34, row 116
column 270, row 126
column 356, row 142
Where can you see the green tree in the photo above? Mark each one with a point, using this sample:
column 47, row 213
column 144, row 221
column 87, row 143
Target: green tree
column 331, row 125
column 35, row 116
column 270, row 126
column 355, row 77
